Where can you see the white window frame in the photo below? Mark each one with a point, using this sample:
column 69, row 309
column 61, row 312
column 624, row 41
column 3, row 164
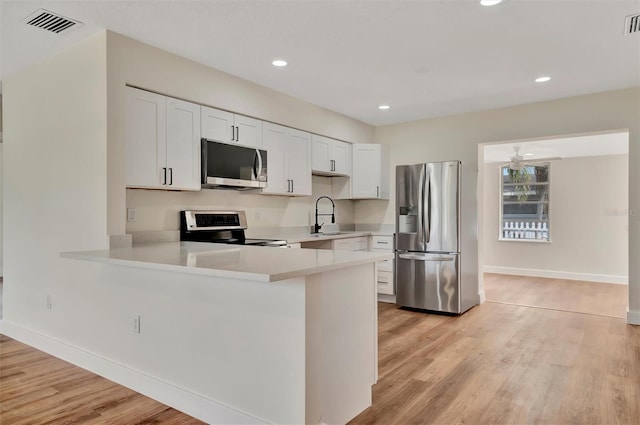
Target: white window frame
column 533, row 235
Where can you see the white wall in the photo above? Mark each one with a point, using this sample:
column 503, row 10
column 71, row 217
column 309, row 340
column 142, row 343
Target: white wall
column 158, row 210
column 588, row 205
column 132, row 62
column 458, row 137
column 54, row 187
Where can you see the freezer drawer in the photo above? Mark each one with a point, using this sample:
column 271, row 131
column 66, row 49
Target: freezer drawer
column 428, row 281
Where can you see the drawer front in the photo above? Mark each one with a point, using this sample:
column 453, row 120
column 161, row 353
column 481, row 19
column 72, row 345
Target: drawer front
column 382, row 242
column 360, row 244
column 385, row 283
column 385, row 266
column 350, row 244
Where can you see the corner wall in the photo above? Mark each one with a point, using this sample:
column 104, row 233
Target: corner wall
column 54, row 187
column 588, row 208
column 457, row 137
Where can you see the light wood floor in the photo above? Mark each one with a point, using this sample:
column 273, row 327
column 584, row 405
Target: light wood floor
column 36, row 388
column 496, row 364
column 505, row 364
column 604, row 299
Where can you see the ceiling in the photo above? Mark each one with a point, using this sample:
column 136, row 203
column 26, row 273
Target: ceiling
column 423, row 58
column 566, row 147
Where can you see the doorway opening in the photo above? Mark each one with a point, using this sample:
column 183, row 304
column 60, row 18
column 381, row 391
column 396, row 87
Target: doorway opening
column 554, row 222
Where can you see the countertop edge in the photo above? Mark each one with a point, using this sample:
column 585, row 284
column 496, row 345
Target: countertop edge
column 98, row 256
column 85, row 256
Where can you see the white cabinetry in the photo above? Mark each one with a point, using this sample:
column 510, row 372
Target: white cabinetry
column 227, row 127
column 288, row 160
column 331, row 157
column 350, row 244
column 162, row 142
column 370, row 173
column 385, row 267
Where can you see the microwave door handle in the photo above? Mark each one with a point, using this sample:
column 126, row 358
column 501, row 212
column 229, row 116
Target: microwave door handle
column 257, row 172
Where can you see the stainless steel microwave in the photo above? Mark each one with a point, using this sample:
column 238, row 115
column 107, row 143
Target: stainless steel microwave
column 232, row 166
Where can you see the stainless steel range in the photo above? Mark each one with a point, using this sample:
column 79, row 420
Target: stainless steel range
column 219, row 227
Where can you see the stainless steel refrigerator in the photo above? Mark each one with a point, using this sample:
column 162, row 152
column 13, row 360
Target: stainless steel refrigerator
column 429, row 261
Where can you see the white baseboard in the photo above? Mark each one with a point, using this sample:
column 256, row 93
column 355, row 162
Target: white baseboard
column 553, row 274
column 185, row 401
column 633, row 317
column 384, row 298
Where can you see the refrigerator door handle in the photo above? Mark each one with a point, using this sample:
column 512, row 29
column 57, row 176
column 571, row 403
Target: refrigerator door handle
column 428, row 235
column 425, row 230
column 424, row 257
column 420, row 218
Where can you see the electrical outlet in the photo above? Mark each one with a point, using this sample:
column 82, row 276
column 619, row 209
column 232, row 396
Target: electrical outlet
column 49, row 302
column 131, row 214
column 136, row 324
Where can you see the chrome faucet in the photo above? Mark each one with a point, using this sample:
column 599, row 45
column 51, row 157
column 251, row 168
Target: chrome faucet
column 316, row 227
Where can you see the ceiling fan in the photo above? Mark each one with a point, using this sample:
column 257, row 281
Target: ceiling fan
column 517, row 161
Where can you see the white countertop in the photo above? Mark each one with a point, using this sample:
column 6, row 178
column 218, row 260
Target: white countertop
column 263, row 264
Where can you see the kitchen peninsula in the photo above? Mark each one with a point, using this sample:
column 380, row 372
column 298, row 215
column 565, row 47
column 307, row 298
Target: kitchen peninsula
column 263, row 335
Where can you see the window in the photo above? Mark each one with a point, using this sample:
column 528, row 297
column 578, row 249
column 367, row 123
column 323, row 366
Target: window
column 525, row 203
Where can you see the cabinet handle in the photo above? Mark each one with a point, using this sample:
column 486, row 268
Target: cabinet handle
column 171, row 176
column 164, row 175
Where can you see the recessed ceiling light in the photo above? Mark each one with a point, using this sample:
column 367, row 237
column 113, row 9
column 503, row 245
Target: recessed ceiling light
column 279, row 63
column 383, row 107
column 542, row 79
column 489, row 2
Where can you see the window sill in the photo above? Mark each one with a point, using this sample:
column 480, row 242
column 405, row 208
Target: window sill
column 524, row 240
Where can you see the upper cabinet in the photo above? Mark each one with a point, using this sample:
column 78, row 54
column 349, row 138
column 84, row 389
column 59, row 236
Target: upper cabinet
column 370, row 175
column 162, row 142
column 330, row 157
column 227, row 127
column 288, row 159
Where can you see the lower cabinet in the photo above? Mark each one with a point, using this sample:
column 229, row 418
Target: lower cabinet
column 385, row 268
column 350, row 244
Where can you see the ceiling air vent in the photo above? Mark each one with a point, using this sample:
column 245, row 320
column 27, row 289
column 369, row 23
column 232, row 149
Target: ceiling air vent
column 632, row 24
column 51, row 21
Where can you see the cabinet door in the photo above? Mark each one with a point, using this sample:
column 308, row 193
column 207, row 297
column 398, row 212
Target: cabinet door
column 216, row 124
column 298, row 160
column 183, row 145
column 145, row 137
column 367, row 166
column 274, row 141
column 341, row 156
column 248, row 131
column 321, row 154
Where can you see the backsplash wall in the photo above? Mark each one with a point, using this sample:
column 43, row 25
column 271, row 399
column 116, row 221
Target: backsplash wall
column 157, row 210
